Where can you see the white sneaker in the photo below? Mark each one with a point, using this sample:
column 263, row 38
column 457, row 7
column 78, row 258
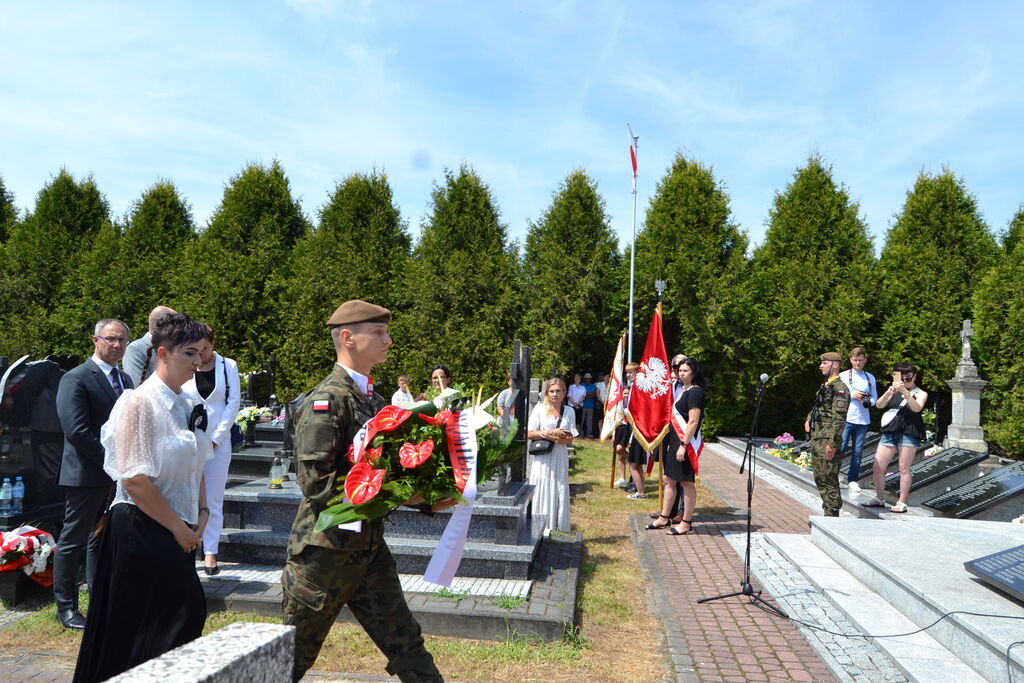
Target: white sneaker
column 854, row 487
column 619, row 482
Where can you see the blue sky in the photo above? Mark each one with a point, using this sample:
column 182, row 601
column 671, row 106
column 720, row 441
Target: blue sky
column 525, row 93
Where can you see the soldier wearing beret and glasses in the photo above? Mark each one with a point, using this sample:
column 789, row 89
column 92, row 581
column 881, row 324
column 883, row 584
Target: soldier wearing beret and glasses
column 350, row 565
column 825, row 424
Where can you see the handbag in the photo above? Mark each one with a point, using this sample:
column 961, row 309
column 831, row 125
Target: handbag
column 236, row 431
column 545, row 446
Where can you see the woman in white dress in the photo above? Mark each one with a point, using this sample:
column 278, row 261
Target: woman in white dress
column 216, row 386
column 549, row 472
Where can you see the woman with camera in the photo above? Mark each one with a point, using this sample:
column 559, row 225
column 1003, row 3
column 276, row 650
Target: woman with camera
column 550, row 430
column 902, row 432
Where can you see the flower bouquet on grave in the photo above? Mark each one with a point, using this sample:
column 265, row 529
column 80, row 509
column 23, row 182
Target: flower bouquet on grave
column 30, row 550
column 423, row 450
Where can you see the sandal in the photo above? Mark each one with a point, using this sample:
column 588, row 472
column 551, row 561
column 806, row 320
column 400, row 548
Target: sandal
column 658, row 526
column 873, row 503
column 898, row 507
column 676, row 532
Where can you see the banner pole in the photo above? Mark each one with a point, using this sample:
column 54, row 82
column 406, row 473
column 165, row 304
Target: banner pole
column 661, row 488
column 611, row 482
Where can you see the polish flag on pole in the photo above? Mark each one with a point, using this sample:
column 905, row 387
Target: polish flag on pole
column 650, row 398
column 634, row 141
column 614, row 409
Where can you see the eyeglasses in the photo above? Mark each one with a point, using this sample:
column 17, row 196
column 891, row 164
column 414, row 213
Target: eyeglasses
column 114, row 340
column 908, row 378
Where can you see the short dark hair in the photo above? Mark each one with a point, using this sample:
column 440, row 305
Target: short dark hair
column 442, row 369
column 172, row 330
column 209, row 332
column 906, row 366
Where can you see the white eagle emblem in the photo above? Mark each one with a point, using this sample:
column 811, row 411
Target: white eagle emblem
column 652, row 377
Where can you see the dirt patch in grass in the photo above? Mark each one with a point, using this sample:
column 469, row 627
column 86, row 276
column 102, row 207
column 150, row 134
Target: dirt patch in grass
column 616, row 640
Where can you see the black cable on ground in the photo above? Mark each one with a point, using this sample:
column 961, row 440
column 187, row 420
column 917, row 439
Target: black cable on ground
column 1009, row 669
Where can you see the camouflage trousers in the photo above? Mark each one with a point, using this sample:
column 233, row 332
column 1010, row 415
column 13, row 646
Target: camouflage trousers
column 319, row 581
column 826, row 478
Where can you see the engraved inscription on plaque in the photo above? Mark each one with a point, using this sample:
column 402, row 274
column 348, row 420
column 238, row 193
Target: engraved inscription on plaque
column 938, row 466
column 1003, row 570
column 983, row 492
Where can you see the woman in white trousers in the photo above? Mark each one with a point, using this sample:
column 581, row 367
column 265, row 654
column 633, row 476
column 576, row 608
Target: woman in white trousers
column 216, row 386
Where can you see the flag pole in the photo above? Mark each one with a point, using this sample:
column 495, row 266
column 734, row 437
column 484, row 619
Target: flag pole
column 634, row 145
column 661, row 452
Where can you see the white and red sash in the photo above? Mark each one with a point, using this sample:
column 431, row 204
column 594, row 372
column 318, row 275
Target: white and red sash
column 694, row 446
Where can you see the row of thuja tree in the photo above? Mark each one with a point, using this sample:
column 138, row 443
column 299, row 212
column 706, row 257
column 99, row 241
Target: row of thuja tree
column 267, row 277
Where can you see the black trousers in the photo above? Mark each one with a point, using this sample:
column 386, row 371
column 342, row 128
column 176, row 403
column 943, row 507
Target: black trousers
column 83, row 507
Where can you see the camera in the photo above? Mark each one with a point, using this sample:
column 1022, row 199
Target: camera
column 866, row 401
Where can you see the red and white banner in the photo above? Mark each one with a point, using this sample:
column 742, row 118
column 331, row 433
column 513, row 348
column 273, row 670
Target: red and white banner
column 650, row 396
column 448, row 553
column 694, row 446
column 614, row 407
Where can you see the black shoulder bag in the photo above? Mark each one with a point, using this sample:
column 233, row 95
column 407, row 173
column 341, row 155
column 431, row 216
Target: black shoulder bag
column 545, row 446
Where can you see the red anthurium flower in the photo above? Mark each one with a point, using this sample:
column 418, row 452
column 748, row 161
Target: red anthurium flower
column 413, row 456
column 445, row 417
column 351, row 455
column 373, row 454
column 389, row 418
column 363, row 482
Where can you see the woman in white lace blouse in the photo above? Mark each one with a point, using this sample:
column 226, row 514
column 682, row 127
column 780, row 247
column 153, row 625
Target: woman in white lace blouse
column 147, row 598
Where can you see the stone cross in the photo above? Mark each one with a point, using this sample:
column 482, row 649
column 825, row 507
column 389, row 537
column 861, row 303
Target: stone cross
column 965, row 338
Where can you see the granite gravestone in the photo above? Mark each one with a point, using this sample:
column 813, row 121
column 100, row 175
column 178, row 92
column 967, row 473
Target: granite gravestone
column 941, row 465
column 1003, row 570
column 965, row 430
column 981, row 493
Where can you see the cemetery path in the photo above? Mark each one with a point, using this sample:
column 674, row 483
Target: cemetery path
column 729, row 639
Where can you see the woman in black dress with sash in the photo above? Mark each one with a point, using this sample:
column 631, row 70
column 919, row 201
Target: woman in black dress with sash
column 681, row 466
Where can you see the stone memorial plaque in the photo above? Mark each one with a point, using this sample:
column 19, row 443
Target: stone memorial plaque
column 1003, row 570
column 980, row 493
column 938, row 466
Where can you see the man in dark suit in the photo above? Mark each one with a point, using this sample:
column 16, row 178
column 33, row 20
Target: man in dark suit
column 85, row 398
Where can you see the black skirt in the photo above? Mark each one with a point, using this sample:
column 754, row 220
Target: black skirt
column 146, row 597
column 675, row 470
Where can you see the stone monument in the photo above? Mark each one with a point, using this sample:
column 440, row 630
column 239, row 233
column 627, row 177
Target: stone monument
column 965, row 428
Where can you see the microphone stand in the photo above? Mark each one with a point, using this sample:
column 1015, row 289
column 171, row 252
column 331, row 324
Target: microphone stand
column 749, row 457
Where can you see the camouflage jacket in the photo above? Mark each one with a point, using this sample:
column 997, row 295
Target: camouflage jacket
column 325, row 424
column 831, row 403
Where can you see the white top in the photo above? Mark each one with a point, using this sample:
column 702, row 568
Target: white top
column 399, row 397
column 220, row 413
column 576, row 392
column 362, row 381
column 147, row 433
column 541, row 419
column 602, row 391
column 859, row 381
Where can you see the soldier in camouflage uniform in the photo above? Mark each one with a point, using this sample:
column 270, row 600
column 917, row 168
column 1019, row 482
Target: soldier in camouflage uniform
column 328, row 570
column 825, row 424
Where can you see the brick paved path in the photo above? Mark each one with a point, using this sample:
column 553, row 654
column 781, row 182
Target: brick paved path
column 729, row 639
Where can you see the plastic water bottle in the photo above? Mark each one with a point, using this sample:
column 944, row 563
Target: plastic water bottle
column 6, row 492
column 18, row 497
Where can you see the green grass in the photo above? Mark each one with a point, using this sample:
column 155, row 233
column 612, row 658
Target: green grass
column 509, row 602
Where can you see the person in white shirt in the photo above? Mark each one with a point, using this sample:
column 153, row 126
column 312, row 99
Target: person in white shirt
column 575, row 396
column 147, row 598
column 403, row 395
column 863, row 394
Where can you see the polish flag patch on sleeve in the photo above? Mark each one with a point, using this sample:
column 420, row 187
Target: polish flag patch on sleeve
column 321, row 406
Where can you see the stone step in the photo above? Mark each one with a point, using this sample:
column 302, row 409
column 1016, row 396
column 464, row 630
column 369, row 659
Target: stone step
column 915, row 564
column 269, row 432
column 484, row 560
column 919, row 656
column 546, row 612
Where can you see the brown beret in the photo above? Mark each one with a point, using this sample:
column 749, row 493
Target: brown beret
column 356, row 311
column 831, row 355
